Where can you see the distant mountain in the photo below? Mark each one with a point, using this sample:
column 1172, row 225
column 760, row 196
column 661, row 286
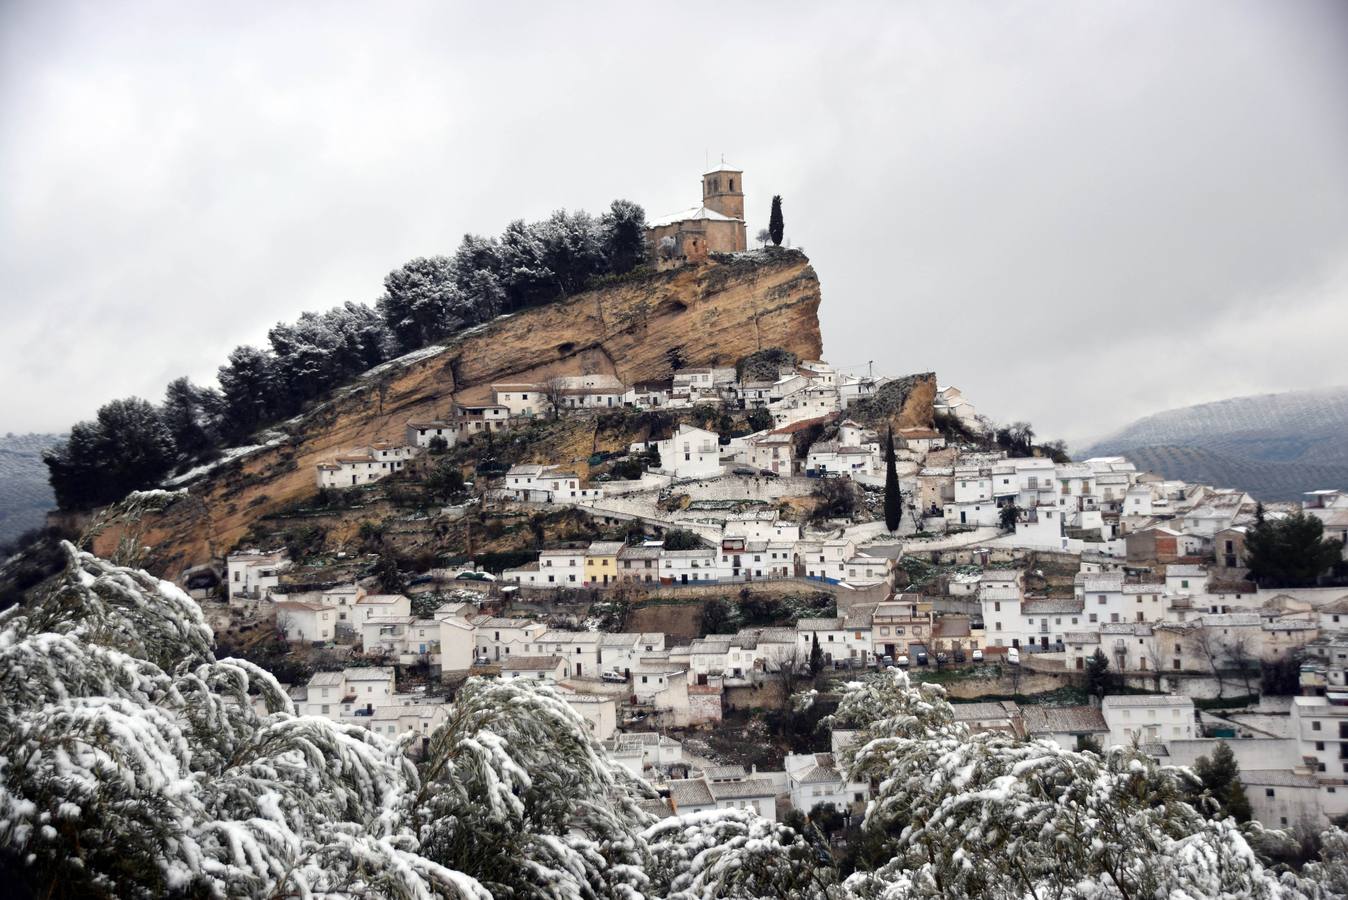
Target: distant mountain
column 25, row 495
column 1275, row 445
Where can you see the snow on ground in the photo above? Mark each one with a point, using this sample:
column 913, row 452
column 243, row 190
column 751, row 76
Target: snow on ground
column 408, row 358
column 228, row 456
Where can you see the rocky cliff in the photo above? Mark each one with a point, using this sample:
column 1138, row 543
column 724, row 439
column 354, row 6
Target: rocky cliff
column 637, row 328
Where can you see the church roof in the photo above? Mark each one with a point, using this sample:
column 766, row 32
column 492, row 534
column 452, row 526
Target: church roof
column 691, row 214
column 723, row 166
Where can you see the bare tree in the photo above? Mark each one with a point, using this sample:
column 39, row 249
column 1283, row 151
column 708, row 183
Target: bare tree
column 1154, row 661
column 1238, row 652
column 1206, row 644
column 554, row 391
column 792, row 666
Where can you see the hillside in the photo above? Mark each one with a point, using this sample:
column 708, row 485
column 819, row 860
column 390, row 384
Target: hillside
column 637, row 328
column 1275, row 445
column 25, row 495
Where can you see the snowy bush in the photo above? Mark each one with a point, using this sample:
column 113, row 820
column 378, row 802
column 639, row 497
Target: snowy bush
column 986, row 815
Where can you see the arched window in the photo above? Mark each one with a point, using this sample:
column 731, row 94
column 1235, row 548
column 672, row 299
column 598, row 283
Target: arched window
column 732, row 185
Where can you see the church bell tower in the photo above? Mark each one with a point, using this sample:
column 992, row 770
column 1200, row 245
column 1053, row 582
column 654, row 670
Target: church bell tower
column 723, row 191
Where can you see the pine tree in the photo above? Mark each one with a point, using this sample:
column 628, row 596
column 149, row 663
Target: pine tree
column 1097, row 673
column 1220, row 775
column 775, row 225
column 893, row 496
column 1290, row 552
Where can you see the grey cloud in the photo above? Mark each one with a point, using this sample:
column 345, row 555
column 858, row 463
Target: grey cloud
column 1079, row 213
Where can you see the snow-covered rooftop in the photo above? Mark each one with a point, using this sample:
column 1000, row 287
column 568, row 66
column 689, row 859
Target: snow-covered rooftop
column 692, row 213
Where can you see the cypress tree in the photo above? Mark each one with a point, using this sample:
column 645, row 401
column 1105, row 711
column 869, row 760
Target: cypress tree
column 775, row 226
column 893, row 496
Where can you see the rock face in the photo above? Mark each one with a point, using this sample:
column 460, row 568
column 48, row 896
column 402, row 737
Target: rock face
column 638, row 329
column 900, row 403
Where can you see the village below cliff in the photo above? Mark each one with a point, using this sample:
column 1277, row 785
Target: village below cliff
column 654, row 499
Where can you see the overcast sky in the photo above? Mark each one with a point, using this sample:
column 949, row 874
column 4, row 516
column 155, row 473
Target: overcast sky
column 1079, row 213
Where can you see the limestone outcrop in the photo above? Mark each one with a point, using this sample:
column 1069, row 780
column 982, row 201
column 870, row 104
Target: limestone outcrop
column 638, row 328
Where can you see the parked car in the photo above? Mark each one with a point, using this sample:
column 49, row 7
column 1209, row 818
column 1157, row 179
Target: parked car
column 475, row 576
column 1012, row 656
column 941, row 658
column 922, row 657
column 886, row 661
column 902, row 661
column 615, row 677
column 960, row 657
column 978, row 656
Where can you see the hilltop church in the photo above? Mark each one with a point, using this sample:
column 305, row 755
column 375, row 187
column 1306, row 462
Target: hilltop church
column 716, row 226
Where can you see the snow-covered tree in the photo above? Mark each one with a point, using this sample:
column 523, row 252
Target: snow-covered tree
column 624, row 229
column 733, row 853
column 188, row 414
column 125, row 448
column 248, row 388
column 135, row 764
column 984, row 815
column 518, row 794
column 420, row 302
column 1327, row 877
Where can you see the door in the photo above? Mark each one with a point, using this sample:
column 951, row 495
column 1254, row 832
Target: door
column 577, row 670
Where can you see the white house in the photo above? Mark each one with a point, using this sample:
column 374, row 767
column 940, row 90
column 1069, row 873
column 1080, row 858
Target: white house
column 600, row 711
column 773, row 452
column 690, row 452
column 251, row 574
column 381, row 606
column 814, row 779
column 457, row 641
column 423, row 434
column 1067, row 726
column 1320, row 727
column 689, row 566
column 587, row 391
column 533, row 668
column 370, row 686
column 354, row 691
column 498, row 638
column 730, row 790
column 835, row 458
column 364, row 465
column 302, row 621
column 1147, row 718
column 523, row 400
column 950, row 401
column 578, row 649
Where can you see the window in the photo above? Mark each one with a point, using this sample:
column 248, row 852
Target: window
column 1315, row 726
column 1269, row 792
